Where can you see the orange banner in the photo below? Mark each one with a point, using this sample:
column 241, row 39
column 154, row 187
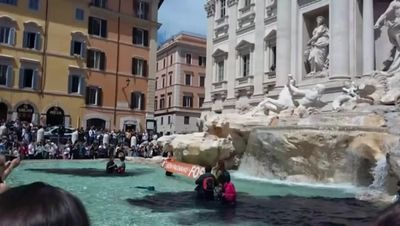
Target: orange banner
column 185, row 169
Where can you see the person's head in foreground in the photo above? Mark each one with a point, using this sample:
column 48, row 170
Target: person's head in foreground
column 41, row 204
column 390, row 216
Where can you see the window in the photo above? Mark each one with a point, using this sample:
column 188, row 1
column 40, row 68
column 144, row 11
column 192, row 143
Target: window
column 7, row 35
column 76, row 84
column 96, row 59
column 202, row 81
column 162, row 103
column 142, row 9
column 10, row 2
column 32, row 40
column 223, row 8
column 139, row 67
column 29, row 78
column 186, row 120
column 78, row 48
column 97, row 27
column 220, row 71
column 188, row 79
column 140, row 37
column 163, row 81
column 138, row 101
column 6, row 75
column 188, row 101
column 164, row 63
column 155, row 104
column 162, row 120
column 80, row 14
column 169, row 100
column 188, row 58
column 202, row 61
column 247, row 3
column 201, row 101
column 99, row 3
column 246, row 65
column 156, row 83
column 34, row 4
column 169, row 120
column 170, row 78
column 94, row 96
column 171, row 59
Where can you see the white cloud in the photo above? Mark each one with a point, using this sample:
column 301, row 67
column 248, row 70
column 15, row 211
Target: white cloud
column 181, row 15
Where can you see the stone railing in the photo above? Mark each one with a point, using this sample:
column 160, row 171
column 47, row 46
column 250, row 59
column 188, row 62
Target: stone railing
column 244, row 81
column 222, row 85
column 221, row 21
column 246, row 10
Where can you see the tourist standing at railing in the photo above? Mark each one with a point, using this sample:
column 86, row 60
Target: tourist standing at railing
column 81, row 135
column 74, row 136
column 40, row 134
column 3, row 130
column 106, row 138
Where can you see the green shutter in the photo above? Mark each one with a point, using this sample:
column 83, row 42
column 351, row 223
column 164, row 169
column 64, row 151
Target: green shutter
column 10, row 77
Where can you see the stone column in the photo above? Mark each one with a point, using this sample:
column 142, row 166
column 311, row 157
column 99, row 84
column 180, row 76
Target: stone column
column 283, row 47
column 210, row 9
column 368, row 37
column 231, row 63
column 339, row 52
column 258, row 56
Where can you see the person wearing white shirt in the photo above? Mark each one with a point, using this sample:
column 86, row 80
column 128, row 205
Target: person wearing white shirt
column 133, row 141
column 106, row 138
column 74, row 136
column 31, row 150
column 3, row 130
column 40, row 134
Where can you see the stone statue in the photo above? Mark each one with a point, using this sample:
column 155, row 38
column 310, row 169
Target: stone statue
column 210, row 8
column 352, row 93
column 391, row 19
column 311, row 97
column 284, row 101
column 316, row 54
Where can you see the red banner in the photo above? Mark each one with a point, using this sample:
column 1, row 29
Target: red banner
column 185, row 169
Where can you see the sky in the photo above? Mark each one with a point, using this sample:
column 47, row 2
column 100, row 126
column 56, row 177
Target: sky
column 181, row 15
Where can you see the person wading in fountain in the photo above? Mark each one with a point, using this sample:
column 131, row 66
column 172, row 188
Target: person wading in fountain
column 205, row 185
column 111, row 166
column 121, row 168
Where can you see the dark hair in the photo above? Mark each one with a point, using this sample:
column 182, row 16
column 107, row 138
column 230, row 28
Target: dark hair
column 122, row 158
column 41, row 204
column 221, row 165
column 390, row 216
column 208, row 169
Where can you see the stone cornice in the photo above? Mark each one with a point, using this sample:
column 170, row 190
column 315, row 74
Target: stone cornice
column 232, row 2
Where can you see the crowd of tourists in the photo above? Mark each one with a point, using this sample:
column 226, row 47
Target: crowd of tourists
column 29, row 142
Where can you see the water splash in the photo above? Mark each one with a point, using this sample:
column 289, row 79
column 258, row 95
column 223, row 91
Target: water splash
column 380, row 172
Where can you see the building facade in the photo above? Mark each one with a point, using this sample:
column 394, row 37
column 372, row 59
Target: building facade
column 180, row 80
column 254, row 45
column 67, row 62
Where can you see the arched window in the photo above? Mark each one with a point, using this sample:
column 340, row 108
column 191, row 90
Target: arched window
column 7, row 30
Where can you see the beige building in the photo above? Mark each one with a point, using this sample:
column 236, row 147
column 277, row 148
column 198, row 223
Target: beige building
column 181, row 64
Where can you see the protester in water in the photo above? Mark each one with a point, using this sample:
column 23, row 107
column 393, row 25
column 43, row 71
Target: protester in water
column 111, row 166
column 390, row 216
column 221, row 173
column 228, row 194
column 170, row 156
column 6, row 167
column 121, row 168
column 41, row 204
column 206, row 184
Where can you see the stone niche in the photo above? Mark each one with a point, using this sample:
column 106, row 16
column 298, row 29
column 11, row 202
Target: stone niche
column 309, row 24
column 384, row 50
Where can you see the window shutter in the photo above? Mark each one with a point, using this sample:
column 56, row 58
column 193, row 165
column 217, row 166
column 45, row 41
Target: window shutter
column 38, row 41
column 146, row 10
column 142, row 102
column 104, row 28
column 69, row 84
column 10, row 76
column 72, row 48
column 135, row 7
column 134, row 64
column 21, row 78
column 83, row 50
column 191, row 102
column 145, row 67
column 132, row 100
column 12, row 37
column 87, row 95
column 105, row 4
column 89, row 59
column 99, row 96
column 102, row 61
column 136, row 100
column 82, row 86
column 184, row 102
column 25, row 40
column 36, row 80
column 90, row 25
column 146, row 37
column 134, row 31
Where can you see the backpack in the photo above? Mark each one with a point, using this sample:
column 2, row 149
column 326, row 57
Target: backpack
column 208, row 184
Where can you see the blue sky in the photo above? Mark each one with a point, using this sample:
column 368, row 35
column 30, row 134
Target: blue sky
column 181, row 15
